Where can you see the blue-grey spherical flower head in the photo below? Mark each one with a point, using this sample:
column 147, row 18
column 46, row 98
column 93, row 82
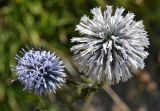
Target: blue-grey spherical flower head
column 111, row 46
column 40, row 71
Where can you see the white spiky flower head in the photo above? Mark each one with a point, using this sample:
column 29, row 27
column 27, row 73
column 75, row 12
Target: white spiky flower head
column 111, row 46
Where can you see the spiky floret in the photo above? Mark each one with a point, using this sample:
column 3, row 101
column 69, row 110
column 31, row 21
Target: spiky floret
column 111, row 46
column 40, row 71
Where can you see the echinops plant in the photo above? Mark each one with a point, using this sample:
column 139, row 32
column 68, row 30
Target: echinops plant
column 111, row 45
column 40, row 71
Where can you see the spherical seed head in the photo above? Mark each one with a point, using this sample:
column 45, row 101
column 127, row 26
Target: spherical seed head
column 40, row 71
column 111, row 46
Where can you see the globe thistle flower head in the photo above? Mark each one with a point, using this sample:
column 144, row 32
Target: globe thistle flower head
column 111, row 45
column 40, row 71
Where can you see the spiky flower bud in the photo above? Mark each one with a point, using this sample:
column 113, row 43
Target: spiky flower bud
column 112, row 45
column 40, row 71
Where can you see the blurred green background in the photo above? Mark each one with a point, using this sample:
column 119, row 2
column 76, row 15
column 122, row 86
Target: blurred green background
column 50, row 24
